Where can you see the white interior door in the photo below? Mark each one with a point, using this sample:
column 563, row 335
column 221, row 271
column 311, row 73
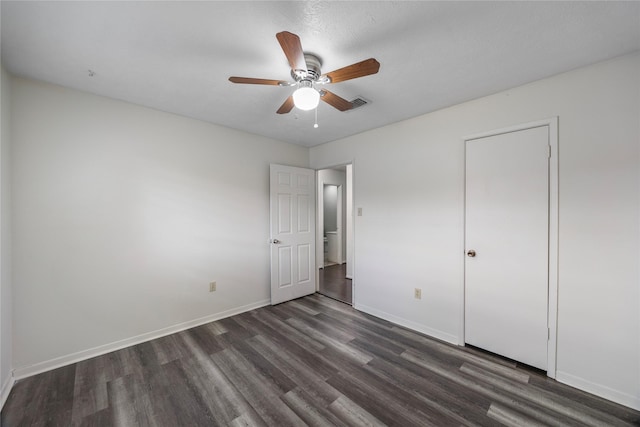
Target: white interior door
column 293, row 227
column 507, row 244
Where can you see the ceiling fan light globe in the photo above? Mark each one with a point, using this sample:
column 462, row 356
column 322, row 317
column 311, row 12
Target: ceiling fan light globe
column 306, row 98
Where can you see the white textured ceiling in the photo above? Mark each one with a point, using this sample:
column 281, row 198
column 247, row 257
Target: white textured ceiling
column 177, row 56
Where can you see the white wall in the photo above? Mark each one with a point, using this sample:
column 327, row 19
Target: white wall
column 411, row 231
column 330, row 207
column 6, row 378
column 122, row 216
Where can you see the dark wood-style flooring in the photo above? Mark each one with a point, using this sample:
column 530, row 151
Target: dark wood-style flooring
column 312, row 361
column 334, row 284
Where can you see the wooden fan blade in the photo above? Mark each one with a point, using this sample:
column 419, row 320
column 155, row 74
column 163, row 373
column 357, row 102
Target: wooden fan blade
column 286, row 107
column 335, row 101
column 359, row 69
column 251, row 81
column 292, row 48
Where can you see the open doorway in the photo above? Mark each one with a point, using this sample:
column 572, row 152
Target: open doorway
column 335, row 233
column 332, row 225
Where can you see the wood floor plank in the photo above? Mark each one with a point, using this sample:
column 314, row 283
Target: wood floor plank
column 248, row 419
column 302, row 307
column 90, row 389
column 89, row 401
column 130, row 403
column 388, row 404
column 423, row 343
column 572, row 396
column 353, row 414
column 360, row 333
column 308, row 409
column 282, row 327
column 341, row 332
column 302, row 349
column 235, row 331
column 98, row 419
column 171, row 347
column 460, row 404
column 575, row 411
column 313, row 361
column 528, row 400
column 346, row 311
column 299, row 370
column 50, row 397
column 331, row 342
column 509, row 417
column 221, row 396
column 282, row 311
column 209, row 342
column 262, row 395
column 268, row 370
column 175, row 400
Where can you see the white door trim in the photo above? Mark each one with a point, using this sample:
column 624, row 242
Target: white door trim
column 319, row 224
column 339, row 213
column 552, row 315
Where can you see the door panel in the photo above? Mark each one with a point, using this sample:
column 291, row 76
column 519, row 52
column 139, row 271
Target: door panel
column 507, row 225
column 304, row 263
column 284, row 213
column 285, row 265
column 292, row 194
column 304, row 217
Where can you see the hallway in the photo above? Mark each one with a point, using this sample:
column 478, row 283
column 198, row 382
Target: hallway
column 334, row 284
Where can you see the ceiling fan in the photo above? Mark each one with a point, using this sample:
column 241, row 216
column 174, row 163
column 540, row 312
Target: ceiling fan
column 305, row 70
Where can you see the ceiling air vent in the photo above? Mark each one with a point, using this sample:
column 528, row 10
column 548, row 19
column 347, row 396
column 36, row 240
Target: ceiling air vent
column 359, row 102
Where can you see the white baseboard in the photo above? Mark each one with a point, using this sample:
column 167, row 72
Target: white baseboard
column 603, row 391
column 6, row 389
column 27, row 371
column 444, row 336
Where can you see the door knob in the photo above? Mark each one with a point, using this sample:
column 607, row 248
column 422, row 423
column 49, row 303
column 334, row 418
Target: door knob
column 276, row 241
column 471, row 253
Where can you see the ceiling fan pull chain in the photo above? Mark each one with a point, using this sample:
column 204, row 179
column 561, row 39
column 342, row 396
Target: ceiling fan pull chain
column 315, row 125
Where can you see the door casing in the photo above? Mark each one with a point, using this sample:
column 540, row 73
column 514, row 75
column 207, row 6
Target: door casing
column 350, row 226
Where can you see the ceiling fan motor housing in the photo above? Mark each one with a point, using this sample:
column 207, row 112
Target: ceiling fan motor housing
column 313, row 69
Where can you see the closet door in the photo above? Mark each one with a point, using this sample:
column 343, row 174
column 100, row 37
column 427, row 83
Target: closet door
column 507, row 244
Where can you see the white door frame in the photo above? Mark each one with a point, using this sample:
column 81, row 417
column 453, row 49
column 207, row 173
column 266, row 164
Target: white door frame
column 552, row 315
column 340, row 233
column 320, row 225
column 349, row 221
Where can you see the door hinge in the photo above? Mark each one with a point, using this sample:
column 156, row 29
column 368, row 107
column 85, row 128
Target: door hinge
column 549, row 151
column 548, row 334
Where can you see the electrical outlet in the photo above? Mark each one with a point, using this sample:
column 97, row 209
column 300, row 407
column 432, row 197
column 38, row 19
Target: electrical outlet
column 359, row 211
column 212, row 287
column 417, row 293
